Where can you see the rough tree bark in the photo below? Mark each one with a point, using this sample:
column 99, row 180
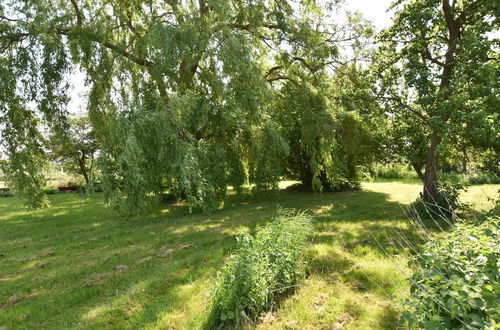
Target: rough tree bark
column 418, row 169
column 430, row 178
column 464, row 160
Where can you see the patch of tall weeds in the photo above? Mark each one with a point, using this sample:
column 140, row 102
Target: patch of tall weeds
column 261, row 269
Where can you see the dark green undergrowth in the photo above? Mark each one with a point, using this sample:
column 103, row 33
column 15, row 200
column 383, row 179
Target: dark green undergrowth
column 456, row 280
column 470, row 178
column 405, row 172
column 444, row 206
column 393, row 171
column 260, row 269
column 340, row 187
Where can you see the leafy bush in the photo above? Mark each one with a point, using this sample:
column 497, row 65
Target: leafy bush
column 343, row 185
column 95, row 187
column 394, row 171
column 401, row 171
column 495, row 210
column 50, row 190
column 5, row 192
column 260, row 269
column 456, row 282
column 445, row 205
column 484, row 178
column 72, row 184
column 470, row 178
column 167, row 198
column 340, row 186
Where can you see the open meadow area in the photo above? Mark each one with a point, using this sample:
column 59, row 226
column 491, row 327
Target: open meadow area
column 81, row 265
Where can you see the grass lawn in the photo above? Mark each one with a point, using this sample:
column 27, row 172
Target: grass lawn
column 81, row 265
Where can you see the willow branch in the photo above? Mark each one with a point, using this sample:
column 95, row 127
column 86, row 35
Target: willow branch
column 407, row 107
column 116, row 48
column 79, row 15
column 278, row 78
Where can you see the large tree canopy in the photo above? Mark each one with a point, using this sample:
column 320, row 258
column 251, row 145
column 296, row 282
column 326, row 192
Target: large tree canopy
column 76, row 148
column 440, row 76
column 328, row 139
column 179, row 89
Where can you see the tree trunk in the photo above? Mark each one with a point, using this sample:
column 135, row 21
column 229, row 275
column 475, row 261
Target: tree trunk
column 464, row 160
column 83, row 169
column 306, row 178
column 418, row 169
column 86, row 177
column 430, row 178
column 454, row 26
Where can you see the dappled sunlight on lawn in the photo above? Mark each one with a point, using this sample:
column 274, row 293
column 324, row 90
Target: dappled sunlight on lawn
column 481, row 197
column 82, row 265
column 404, row 193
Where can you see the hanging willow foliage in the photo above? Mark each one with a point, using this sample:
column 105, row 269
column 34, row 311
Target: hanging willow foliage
column 180, row 91
column 329, row 140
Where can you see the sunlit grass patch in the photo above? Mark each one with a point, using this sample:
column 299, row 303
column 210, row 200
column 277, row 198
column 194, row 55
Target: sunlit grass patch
column 81, row 240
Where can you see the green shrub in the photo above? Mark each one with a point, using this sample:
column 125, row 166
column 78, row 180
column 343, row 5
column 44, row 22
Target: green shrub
column 446, row 204
column 50, row 190
column 402, row 171
column 73, row 184
column 94, row 187
column 483, row 178
column 340, row 186
column 394, row 171
column 456, row 282
column 495, row 210
column 5, row 193
column 470, row 178
column 167, row 198
column 453, row 177
column 260, row 269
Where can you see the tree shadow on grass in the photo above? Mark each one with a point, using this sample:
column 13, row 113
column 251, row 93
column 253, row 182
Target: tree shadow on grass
column 89, row 239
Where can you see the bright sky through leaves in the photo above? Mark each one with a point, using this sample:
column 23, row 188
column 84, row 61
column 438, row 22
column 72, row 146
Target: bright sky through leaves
column 374, row 10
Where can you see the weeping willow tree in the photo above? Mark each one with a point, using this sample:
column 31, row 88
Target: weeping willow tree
column 329, row 139
column 318, row 111
column 179, row 90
